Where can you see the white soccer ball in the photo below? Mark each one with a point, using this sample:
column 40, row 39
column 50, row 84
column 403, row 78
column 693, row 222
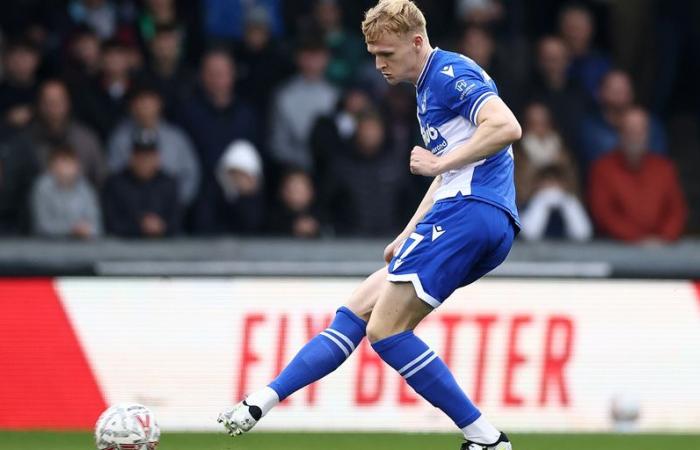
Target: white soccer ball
column 127, row 427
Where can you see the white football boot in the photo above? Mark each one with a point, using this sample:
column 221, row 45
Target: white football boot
column 240, row 419
column 501, row 444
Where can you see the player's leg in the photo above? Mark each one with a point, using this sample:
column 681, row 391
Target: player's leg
column 390, row 330
column 458, row 243
column 316, row 359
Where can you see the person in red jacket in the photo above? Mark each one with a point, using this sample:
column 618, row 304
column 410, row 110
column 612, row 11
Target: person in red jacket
column 634, row 195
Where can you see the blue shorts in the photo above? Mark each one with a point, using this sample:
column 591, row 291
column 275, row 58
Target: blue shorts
column 457, row 242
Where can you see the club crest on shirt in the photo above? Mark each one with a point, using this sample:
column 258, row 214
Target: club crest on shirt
column 424, row 102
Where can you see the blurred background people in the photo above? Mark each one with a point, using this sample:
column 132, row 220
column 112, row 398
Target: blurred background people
column 540, row 147
column 588, row 64
column 296, row 212
column 165, row 68
column 553, row 211
column 634, row 194
column 101, row 103
column 64, row 203
column 600, row 129
column 215, row 114
column 298, row 104
column 366, row 182
column 176, row 153
column 237, row 206
column 20, row 82
column 141, row 200
column 55, row 124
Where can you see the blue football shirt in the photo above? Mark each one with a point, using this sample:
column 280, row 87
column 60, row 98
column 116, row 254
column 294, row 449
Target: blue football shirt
column 450, row 92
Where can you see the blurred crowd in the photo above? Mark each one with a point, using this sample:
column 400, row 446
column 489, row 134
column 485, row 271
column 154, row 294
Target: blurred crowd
column 155, row 118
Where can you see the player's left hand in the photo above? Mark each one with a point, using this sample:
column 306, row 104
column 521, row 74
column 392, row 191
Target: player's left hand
column 423, row 162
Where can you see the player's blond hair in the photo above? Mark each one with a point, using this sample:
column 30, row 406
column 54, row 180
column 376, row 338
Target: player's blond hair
column 395, row 17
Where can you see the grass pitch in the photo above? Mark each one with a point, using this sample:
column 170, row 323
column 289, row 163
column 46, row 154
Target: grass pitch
column 355, row 441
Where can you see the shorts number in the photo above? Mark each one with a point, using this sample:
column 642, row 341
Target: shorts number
column 416, row 240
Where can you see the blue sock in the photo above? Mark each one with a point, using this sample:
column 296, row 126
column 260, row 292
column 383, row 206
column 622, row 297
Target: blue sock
column 322, row 354
column 428, row 375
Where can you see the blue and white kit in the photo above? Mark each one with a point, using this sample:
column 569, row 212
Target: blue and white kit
column 470, row 228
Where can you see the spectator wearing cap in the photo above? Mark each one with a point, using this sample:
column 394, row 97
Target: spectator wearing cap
column 237, row 206
column 142, row 201
column 298, row 104
column 177, row 155
column 63, row 202
column 634, row 195
column 101, row 103
column 55, row 125
column 19, row 85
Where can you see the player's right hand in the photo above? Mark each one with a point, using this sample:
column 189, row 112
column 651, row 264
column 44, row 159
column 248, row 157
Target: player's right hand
column 392, row 248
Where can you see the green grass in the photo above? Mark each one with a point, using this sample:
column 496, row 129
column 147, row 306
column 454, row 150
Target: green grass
column 359, row 441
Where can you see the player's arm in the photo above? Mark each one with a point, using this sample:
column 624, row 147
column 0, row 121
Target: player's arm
column 422, row 209
column 496, row 128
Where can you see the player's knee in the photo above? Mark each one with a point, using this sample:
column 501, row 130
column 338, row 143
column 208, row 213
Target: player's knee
column 378, row 330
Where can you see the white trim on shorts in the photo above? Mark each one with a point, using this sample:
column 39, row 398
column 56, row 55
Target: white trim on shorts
column 417, row 285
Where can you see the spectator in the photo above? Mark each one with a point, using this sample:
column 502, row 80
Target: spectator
column 102, row 103
column 261, row 61
column 214, row 116
column 634, row 195
column 83, row 59
column 19, row 85
column 588, row 66
column 142, row 201
column 296, row 213
column 55, row 125
column 541, row 146
column 478, row 44
column 599, row 131
column 165, row 69
column 554, row 212
column 366, row 183
column 238, row 205
column 553, row 87
column 298, row 104
column 18, row 167
column 347, row 50
column 331, row 133
column 177, row 155
column 63, row 202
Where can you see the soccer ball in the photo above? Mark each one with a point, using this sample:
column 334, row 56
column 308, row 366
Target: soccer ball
column 127, row 427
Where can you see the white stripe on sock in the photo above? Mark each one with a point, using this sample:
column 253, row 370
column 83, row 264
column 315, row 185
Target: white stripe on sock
column 343, row 337
column 415, row 361
column 425, row 363
column 337, row 342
